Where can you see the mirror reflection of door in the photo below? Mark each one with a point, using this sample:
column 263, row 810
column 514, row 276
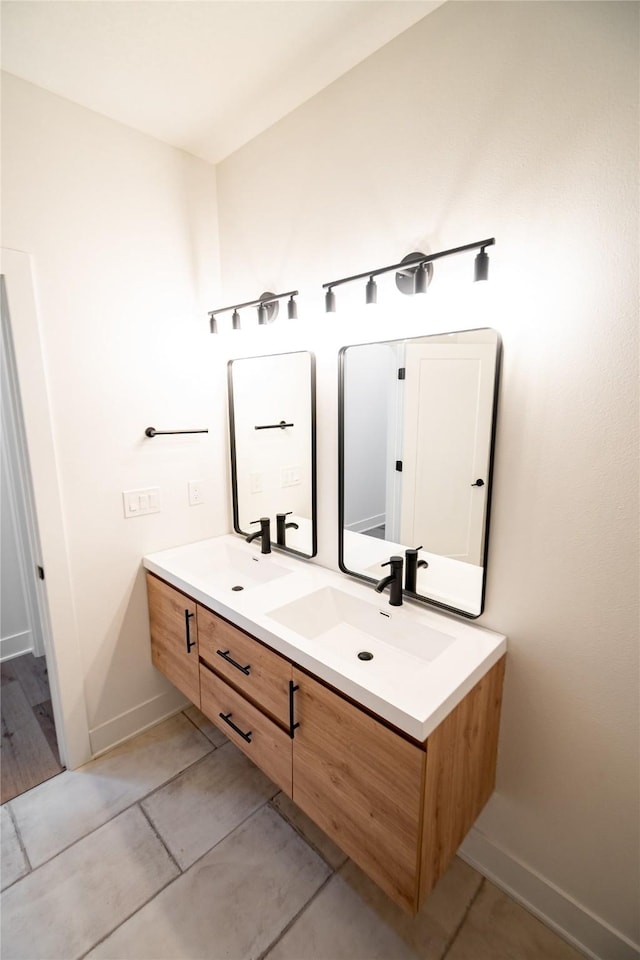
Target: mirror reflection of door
column 416, row 440
column 272, row 421
column 447, row 432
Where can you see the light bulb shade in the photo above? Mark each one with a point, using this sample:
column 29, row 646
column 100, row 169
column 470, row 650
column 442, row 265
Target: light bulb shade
column 235, row 320
column 330, row 302
column 213, row 323
column 482, row 266
column 372, row 291
column 421, row 279
column 262, row 313
column 292, row 309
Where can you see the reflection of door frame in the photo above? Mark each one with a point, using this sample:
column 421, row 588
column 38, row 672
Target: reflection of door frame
column 63, row 658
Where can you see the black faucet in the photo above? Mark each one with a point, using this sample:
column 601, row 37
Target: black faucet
column 394, row 581
column 281, row 526
column 411, row 568
column 264, row 533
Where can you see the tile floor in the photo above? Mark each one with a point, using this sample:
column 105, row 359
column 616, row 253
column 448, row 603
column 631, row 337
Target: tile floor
column 175, row 845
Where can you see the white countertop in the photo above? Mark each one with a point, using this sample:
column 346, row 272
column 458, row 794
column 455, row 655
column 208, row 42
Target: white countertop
column 413, row 694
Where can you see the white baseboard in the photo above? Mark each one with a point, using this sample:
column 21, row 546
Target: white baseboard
column 134, row 721
column 587, row 932
column 16, row 645
column 368, row 523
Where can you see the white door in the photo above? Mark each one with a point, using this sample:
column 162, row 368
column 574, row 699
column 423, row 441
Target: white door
column 447, row 431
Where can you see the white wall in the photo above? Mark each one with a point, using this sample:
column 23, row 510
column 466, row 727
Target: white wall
column 122, row 236
column 518, row 120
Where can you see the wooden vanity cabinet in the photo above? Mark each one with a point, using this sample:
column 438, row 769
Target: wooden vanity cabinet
column 174, row 636
column 398, row 808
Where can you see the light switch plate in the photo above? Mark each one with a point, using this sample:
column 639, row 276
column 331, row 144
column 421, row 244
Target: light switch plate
column 289, row 476
column 138, row 503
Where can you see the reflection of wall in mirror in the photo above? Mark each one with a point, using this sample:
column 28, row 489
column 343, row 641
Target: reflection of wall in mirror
column 369, row 390
column 273, row 466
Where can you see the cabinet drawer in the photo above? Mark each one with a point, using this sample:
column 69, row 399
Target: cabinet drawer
column 263, row 742
column 259, row 673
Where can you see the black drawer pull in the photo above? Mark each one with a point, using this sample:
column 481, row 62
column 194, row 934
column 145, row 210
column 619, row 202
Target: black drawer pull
column 225, row 656
column 292, row 725
column 245, row 736
column 190, row 642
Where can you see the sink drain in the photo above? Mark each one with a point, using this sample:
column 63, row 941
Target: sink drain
column 365, row 655
column 238, row 587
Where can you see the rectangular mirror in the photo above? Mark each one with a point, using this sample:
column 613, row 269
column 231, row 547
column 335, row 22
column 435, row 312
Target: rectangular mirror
column 272, row 418
column 416, row 434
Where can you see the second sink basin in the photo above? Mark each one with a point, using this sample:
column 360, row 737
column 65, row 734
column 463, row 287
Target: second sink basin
column 353, row 626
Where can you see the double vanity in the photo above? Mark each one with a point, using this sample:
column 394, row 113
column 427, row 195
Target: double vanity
column 380, row 722
column 378, row 717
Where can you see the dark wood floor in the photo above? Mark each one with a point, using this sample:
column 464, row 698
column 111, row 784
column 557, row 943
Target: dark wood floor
column 29, row 748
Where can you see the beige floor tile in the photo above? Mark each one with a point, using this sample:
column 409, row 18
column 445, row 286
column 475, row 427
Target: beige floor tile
column 203, row 723
column 13, row 864
column 78, row 801
column 200, row 807
column 353, row 918
column 341, row 925
column 307, row 828
column 498, row 928
column 64, row 907
column 232, row 903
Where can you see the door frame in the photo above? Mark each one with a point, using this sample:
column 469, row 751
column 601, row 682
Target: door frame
column 60, row 631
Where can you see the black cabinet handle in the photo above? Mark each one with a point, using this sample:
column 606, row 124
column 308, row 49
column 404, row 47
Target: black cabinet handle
column 225, row 656
column 292, row 726
column 225, row 717
column 478, row 483
column 190, row 642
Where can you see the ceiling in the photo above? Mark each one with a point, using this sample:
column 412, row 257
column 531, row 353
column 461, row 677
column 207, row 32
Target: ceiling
column 203, row 75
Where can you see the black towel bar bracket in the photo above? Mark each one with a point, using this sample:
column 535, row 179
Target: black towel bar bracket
column 152, row 432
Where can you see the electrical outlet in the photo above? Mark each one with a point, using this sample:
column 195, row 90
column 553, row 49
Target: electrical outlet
column 138, row 503
column 196, row 493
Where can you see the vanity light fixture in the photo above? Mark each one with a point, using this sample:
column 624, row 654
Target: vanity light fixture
column 372, row 291
column 413, row 272
column 330, row 301
column 267, row 304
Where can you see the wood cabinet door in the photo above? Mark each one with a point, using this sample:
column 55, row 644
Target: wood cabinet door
column 174, row 639
column 362, row 784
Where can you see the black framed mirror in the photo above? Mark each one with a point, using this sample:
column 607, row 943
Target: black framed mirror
column 272, row 421
column 417, row 420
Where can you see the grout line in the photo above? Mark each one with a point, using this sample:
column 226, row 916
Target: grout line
column 20, row 841
column 175, row 879
column 127, row 918
column 160, row 837
column 454, row 936
column 118, row 812
column 294, row 919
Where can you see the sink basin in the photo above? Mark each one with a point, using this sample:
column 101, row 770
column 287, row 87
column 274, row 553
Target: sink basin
column 352, row 626
column 235, row 569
